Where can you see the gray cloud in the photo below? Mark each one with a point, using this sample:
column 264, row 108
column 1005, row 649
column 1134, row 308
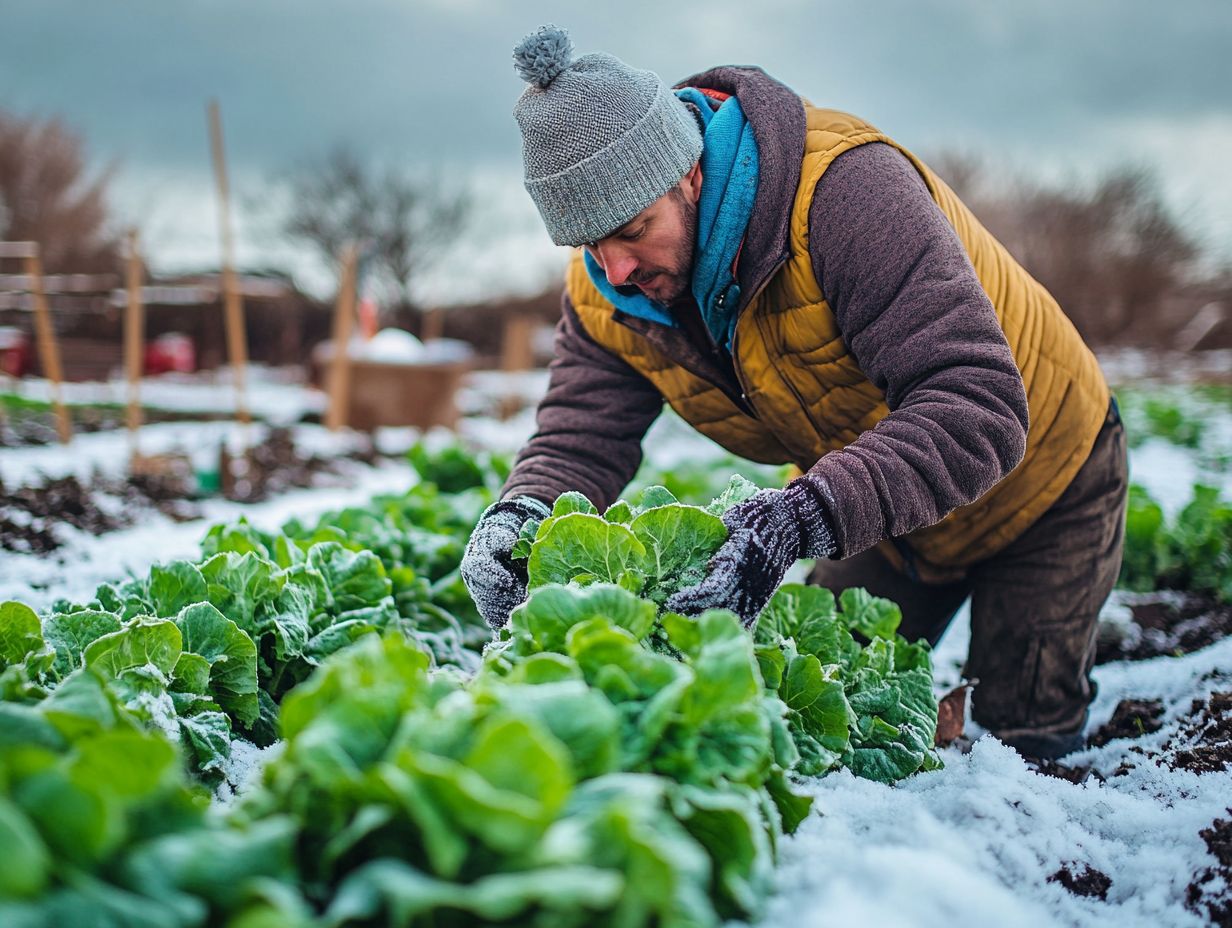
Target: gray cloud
column 430, row 81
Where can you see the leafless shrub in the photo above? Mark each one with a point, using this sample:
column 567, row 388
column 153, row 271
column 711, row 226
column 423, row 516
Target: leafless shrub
column 47, row 195
column 1113, row 254
column 403, row 221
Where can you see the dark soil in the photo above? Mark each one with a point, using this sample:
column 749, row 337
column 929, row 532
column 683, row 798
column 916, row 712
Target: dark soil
column 272, row 467
column 1173, row 624
column 1204, row 742
column 22, row 427
column 1214, row 901
column 1132, row 718
column 1087, row 882
column 29, row 515
column 1076, row 775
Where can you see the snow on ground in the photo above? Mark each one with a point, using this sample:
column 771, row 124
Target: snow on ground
column 274, row 394
column 972, row 844
column 75, row 570
column 107, row 453
column 975, row 843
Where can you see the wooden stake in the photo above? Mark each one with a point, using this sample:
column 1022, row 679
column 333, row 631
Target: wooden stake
column 517, row 351
column 134, row 339
column 433, row 325
column 339, row 381
column 237, row 339
column 48, row 347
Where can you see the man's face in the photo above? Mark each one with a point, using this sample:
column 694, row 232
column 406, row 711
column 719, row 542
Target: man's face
column 654, row 250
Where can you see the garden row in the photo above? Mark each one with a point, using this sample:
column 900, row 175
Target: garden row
column 602, row 762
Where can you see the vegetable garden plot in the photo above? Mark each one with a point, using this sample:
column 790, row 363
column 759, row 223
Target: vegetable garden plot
column 600, row 742
column 377, row 806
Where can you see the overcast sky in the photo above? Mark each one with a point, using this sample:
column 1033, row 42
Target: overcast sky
column 1062, row 87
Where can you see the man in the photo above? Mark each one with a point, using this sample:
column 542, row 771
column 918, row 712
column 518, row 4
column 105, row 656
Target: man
column 801, row 288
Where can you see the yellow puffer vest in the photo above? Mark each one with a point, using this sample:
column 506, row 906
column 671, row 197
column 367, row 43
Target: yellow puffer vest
column 811, row 397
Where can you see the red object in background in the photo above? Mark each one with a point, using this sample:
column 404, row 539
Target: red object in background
column 15, row 351
column 367, row 317
column 172, row 352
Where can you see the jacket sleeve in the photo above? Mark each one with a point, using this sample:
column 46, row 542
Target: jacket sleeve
column 919, row 324
column 590, row 424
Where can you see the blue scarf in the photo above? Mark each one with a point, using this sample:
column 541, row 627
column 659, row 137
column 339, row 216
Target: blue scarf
column 729, row 187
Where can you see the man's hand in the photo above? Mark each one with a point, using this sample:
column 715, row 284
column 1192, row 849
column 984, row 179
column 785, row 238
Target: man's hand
column 497, row 583
column 766, row 534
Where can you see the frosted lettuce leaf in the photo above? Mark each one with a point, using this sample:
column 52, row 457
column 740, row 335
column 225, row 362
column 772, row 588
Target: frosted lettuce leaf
column 653, row 497
column 231, row 655
column 896, row 717
column 807, row 615
column 571, row 502
column 70, row 633
column 354, row 579
column 578, row 544
column 142, row 643
column 174, row 586
column 620, row 512
column 738, row 489
column 679, row 542
column 871, row 616
column 544, row 620
column 20, row 633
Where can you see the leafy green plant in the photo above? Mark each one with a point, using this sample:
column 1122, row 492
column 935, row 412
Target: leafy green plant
column 1191, row 552
column 605, row 762
column 806, row 651
column 453, row 469
column 98, row 824
column 652, row 548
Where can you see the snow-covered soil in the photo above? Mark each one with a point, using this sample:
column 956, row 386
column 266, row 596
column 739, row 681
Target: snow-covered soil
column 274, row 394
column 75, row 570
column 977, row 842
column 985, row 841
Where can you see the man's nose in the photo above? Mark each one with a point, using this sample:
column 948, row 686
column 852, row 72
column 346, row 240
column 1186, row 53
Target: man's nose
column 617, row 265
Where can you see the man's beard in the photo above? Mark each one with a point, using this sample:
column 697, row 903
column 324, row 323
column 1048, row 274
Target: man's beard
column 677, row 280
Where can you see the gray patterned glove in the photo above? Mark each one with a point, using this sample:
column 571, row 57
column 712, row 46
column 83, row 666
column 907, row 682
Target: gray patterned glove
column 496, row 582
column 766, row 534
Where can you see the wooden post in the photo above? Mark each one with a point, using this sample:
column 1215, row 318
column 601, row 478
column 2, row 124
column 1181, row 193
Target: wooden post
column 339, row 380
column 517, row 352
column 237, row 339
column 48, row 347
column 134, row 339
column 433, row 325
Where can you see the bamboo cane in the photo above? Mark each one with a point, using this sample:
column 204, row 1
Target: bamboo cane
column 48, row 347
column 134, row 339
column 339, row 386
column 237, row 341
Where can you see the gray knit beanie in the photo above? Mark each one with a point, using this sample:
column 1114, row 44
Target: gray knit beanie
column 601, row 141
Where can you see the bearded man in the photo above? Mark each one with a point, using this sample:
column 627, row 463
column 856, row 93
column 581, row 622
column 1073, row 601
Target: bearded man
column 802, row 289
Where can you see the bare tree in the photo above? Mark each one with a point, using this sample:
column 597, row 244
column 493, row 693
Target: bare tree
column 405, row 222
column 1113, row 254
column 47, row 196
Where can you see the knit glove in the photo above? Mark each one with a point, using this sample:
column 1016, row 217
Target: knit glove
column 766, row 534
column 497, row 583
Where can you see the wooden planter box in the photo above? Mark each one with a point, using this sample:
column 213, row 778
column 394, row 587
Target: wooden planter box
column 420, row 395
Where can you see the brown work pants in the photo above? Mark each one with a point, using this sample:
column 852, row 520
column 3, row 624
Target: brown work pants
column 1034, row 604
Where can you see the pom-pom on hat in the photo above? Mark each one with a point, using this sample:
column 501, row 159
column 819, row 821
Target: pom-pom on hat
column 601, row 141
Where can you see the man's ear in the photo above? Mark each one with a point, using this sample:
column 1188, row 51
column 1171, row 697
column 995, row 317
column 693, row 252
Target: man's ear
column 692, row 182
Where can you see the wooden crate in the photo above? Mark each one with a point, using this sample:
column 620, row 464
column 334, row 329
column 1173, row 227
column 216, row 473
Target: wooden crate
column 420, row 395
